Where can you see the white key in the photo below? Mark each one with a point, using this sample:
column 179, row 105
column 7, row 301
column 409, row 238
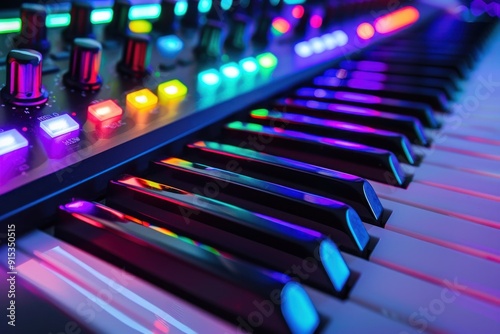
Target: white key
column 72, row 279
column 447, row 202
column 424, row 306
column 478, row 277
column 459, row 181
column 454, row 233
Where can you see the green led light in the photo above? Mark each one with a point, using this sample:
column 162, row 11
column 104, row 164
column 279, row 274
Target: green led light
column 204, row 6
column 101, row 15
column 249, row 65
column 58, row 20
column 10, row 25
column 260, row 112
column 230, row 71
column 181, row 8
column 142, row 12
column 226, row 4
column 267, row 60
column 209, row 77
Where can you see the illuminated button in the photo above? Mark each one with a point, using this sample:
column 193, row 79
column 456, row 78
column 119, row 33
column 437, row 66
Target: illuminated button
column 169, row 45
column 142, row 100
column 171, row 90
column 249, row 65
column 11, row 140
column 140, row 27
column 230, row 71
column 267, row 60
column 104, row 111
column 209, row 78
column 59, row 125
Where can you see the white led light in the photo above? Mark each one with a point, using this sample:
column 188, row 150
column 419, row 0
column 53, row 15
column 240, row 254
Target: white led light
column 329, row 41
column 59, row 125
column 11, row 140
column 317, row 45
column 303, row 49
column 341, row 37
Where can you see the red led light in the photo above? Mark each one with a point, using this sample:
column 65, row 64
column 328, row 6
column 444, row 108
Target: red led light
column 281, row 25
column 316, row 21
column 104, row 111
column 396, row 20
column 365, row 31
column 298, row 11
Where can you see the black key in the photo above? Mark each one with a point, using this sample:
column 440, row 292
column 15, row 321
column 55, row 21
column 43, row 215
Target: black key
column 420, row 111
column 365, row 161
column 390, row 141
column 435, row 83
column 411, row 70
column 253, row 237
column 350, row 189
column 433, row 61
column 215, row 281
column 429, row 96
column 335, row 219
column 409, row 126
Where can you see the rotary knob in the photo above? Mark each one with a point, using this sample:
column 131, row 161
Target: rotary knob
column 136, row 56
column 85, row 61
column 33, row 33
column 81, row 24
column 119, row 24
column 24, row 79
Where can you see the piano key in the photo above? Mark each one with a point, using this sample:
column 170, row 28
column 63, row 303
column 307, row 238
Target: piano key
column 425, row 306
column 465, row 147
column 220, row 283
column 255, row 237
column 472, row 208
column 444, row 230
column 429, row 96
column 457, row 64
column 459, row 181
column 412, row 70
column 458, row 161
column 433, row 83
column 158, row 309
column 217, row 216
column 420, row 111
column 345, row 156
column 350, row 189
column 406, row 125
column 467, row 56
column 425, row 261
column 29, row 303
column 390, row 141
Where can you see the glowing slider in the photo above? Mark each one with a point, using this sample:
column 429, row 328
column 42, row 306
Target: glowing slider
column 142, row 100
column 172, row 89
column 59, row 125
column 11, row 140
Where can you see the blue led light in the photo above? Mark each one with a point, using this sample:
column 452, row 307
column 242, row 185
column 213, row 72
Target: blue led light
column 209, row 78
column 298, row 310
column 169, row 45
column 59, row 125
column 249, row 65
column 357, row 228
column 334, row 263
column 11, row 140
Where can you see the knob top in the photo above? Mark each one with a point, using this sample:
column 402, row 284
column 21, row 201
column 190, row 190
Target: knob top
column 33, row 34
column 136, row 56
column 24, row 79
column 84, row 65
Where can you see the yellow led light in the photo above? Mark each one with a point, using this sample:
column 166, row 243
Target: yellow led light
column 172, row 89
column 140, row 27
column 142, row 100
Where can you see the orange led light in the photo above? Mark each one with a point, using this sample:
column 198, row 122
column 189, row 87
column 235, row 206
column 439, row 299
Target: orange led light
column 396, row 20
column 142, row 100
column 104, row 111
column 365, row 31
